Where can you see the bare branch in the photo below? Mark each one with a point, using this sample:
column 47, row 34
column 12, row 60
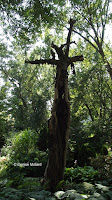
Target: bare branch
column 58, row 50
column 45, row 61
column 75, row 59
column 73, row 42
column 85, row 39
column 68, row 37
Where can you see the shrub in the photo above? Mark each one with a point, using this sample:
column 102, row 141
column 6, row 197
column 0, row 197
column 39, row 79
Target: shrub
column 23, row 144
column 81, row 174
column 81, row 151
column 103, row 163
column 3, row 165
column 21, row 149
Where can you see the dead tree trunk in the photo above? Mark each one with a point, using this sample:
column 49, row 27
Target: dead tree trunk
column 58, row 129
column 59, row 122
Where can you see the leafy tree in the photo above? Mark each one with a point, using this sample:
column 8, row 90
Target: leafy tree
column 26, row 20
column 91, row 116
column 3, row 119
column 91, row 19
column 4, row 122
column 29, row 97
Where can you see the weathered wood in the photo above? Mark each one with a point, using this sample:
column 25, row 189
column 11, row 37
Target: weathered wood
column 59, row 123
column 45, row 61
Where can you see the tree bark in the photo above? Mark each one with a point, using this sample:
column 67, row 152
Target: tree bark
column 59, row 124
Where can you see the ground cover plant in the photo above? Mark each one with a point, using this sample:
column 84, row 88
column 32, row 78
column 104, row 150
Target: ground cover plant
column 79, row 183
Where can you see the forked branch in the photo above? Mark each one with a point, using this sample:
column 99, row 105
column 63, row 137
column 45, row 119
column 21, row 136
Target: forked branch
column 62, row 55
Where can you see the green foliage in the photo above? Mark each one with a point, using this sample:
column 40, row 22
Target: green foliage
column 11, row 193
column 91, row 117
column 4, row 124
column 23, row 143
column 3, row 167
column 30, row 183
column 100, row 191
column 80, row 174
column 21, row 149
column 24, row 100
column 81, row 151
column 69, row 194
column 30, row 89
column 16, row 179
column 59, row 194
column 60, row 185
column 103, row 164
column 36, row 15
